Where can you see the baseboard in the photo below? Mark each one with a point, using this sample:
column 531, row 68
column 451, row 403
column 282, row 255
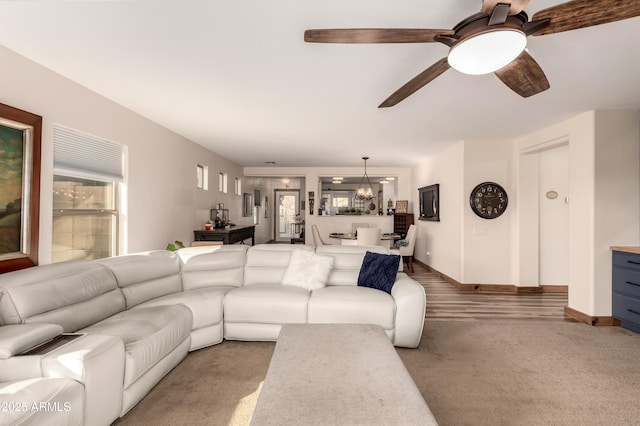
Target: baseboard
column 495, row 288
column 588, row 319
column 564, row 289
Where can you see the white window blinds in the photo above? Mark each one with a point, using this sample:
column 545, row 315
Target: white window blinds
column 80, row 154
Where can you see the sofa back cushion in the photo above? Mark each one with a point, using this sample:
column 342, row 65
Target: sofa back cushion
column 145, row 276
column 213, row 266
column 347, row 261
column 73, row 294
column 267, row 263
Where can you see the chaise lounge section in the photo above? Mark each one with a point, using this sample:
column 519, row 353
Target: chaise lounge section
column 137, row 316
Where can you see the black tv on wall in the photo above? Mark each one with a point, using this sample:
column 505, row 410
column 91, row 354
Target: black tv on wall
column 430, row 202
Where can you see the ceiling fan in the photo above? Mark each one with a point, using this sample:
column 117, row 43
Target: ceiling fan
column 492, row 40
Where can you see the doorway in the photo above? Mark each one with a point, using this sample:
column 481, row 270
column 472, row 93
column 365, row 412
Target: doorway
column 287, row 206
column 543, row 214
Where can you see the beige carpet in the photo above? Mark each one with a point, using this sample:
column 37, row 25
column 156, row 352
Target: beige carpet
column 528, row 372
column 490, row 372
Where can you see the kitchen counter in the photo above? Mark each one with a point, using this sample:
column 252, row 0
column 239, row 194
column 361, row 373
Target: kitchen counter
column 626, row 249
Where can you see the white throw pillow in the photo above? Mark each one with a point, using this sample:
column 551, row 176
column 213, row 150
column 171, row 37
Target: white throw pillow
column 307, row 270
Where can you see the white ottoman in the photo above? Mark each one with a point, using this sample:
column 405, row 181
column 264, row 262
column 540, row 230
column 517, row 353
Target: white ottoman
column 330, row 374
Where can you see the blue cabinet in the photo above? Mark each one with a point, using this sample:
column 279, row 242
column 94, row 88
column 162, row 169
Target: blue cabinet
column 626, row 289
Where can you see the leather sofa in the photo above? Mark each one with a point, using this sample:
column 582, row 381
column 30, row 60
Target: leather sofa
column 133, row 318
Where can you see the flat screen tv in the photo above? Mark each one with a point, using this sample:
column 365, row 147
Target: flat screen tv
column 430, row 202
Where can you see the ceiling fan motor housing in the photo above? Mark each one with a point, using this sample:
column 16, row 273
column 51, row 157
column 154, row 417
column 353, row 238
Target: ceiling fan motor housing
column 481, row 44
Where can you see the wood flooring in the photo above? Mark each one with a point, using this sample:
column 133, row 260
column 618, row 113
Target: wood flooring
column 447, row 303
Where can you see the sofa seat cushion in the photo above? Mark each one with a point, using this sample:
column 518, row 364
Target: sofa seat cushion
column 352, row 305
column 266, row 304
column 42, row 401
column 205, row 304
column 149, row 334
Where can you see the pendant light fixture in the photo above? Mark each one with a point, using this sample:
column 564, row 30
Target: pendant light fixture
column 365, row 190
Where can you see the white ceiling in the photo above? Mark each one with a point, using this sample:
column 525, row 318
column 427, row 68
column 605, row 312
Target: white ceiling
column 237, row 77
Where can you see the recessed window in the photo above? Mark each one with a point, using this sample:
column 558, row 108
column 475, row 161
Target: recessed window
column 238, row 186
column 85, row 218
column 222, row 182
column 88, row 176
column 202, row 177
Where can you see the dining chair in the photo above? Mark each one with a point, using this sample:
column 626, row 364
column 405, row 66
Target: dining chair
column 406, row 251
column 317, row 239
column 355, row 226
column 368, row 237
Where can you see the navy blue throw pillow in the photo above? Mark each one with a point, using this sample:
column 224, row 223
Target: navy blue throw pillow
column 379, row 271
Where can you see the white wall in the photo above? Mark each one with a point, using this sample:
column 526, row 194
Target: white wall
column 616, row 195
column 462, row 245
column 439, row 244
column 163, row 202
column 487, row 243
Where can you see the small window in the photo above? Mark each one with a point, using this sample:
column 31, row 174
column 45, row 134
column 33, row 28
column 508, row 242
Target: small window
column 199, row 176
column 238, row 186
column 202, row 176
column 85, row 218
column 222, row 182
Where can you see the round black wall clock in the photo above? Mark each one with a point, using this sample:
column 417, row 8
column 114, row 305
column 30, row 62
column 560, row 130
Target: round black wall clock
column 488, row 200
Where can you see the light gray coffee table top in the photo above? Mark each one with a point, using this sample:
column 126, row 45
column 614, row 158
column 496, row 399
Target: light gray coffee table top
column 338, row 374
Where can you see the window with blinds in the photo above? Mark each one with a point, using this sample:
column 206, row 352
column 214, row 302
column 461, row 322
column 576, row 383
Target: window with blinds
column 88, row 172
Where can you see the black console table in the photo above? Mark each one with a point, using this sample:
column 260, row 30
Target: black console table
column 235, row 234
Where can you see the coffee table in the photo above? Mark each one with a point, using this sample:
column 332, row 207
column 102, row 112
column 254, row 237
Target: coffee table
column 338, row 374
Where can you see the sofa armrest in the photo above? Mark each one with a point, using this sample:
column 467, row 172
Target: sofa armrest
column 409, row 296
column 96, row 361
column 17, row 338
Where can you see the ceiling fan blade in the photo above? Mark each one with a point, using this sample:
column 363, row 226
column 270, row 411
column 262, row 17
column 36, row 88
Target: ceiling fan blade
column 524, row 76
column 576, row 14
column 416, row 83
column 374, row 35
column 516, row 6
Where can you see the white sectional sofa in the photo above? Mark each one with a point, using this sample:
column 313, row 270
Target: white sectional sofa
column 135, row 317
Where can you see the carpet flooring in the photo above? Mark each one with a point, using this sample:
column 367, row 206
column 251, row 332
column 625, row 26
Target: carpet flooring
column 480, row 362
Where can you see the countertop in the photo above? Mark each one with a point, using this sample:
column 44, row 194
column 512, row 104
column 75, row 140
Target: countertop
column 627, row 249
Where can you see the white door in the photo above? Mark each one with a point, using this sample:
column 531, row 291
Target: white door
column 554, row 216
column 287, row 207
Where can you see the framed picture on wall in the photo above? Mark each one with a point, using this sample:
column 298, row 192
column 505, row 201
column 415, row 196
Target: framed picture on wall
column 430, row 202
column 20, row 142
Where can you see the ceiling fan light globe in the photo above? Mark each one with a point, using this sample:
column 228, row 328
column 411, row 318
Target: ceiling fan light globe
column 487, row 52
